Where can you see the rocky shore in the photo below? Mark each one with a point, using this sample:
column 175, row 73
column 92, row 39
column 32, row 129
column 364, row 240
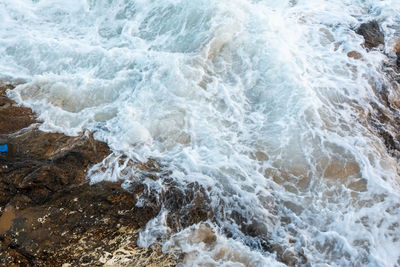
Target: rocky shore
column 384, row 117
column 49, row 213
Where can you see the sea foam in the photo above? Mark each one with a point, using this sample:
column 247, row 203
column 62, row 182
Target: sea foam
column 256, row 100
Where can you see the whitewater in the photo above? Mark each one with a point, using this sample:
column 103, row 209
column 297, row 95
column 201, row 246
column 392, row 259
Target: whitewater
column 255, row 101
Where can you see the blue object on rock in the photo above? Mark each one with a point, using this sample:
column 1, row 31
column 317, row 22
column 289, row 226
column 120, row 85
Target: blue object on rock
column 3, row 148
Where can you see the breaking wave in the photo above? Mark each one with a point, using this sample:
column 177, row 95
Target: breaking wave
column 254, row 103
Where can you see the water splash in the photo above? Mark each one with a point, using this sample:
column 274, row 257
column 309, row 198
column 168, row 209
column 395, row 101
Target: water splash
column 256, row 101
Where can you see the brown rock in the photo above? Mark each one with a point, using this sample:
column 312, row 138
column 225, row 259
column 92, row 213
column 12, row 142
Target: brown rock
column 372, row 34
column 385, row 123
column 73, row 223
column 188, row 204
column 53, row 216
column 6, row 219
column 397, row 45
column 12, row 117
column 354, row 54
column 44, row 163
column 397, row 51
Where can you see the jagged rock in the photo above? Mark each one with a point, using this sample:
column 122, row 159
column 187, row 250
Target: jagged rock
column 372, row 34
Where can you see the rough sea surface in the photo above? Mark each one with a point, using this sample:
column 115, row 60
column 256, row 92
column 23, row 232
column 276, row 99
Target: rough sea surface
column 256, row 101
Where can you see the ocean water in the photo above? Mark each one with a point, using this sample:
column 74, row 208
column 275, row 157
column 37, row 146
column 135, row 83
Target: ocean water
column 257, row 101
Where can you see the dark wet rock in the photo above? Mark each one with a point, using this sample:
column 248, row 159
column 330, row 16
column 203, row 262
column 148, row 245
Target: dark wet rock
column 258, row 238
column 49, row 213
column 398, row 59
column 41, row 164
column 12, row 117
column 187, row 204
column 384, row 121
column 192, row 205
column 372, row 34
column 76, row 225
column 384, row 117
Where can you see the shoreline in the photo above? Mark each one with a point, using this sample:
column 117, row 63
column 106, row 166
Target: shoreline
column 50, row 215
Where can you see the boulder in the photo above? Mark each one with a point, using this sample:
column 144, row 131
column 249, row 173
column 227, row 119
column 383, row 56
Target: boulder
column 372, row 34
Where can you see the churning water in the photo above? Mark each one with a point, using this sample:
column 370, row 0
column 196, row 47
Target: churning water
column 255, row 100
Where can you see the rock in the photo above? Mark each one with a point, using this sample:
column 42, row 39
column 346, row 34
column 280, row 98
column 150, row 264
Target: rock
column 44, row 163
column 49, row 213
column 372, row 34
column 396, row 49
column 384, row 121
column 354, row 54
column 189, row 206
column 77, row 225
column 12, row 117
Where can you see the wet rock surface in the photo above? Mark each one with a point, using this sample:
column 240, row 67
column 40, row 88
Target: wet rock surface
column 384, row 117
column 372, row 34
column 12, row 117
column 396, row 49
column 49, row 213
column 194, row 198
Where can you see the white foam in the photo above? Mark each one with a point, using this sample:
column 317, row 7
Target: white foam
column 257, row 100
column 204, row 246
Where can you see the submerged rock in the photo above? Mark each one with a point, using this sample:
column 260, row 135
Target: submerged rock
column 397, row 51
column 354, row 54
column 372, row 34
